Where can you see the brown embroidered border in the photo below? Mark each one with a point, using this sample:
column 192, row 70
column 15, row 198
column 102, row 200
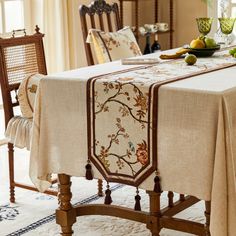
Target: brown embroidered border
column 154, row 89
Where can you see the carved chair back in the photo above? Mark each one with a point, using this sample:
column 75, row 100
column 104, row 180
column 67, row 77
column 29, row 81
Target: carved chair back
column 98, row 15
column 19, row 56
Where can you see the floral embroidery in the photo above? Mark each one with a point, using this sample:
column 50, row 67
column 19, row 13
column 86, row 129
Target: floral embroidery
column 110, row 46
column 110, row 43
column 142, row 102
column 125, row 108
column 106, row 154
column 33, row 88
column 142, row 153
column 134, row 48
column 122, row 117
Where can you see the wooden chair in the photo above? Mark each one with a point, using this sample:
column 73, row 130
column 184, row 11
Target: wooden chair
column 108, row 19
column 19, row 56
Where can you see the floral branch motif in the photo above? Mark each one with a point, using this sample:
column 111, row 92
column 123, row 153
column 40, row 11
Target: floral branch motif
column 141, row 100
column 110, row 41
column 141, row 153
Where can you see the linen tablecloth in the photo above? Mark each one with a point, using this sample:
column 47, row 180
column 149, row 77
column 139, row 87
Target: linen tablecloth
column 196, row 136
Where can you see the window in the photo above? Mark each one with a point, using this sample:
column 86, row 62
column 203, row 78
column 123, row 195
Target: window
column 11, row 15
column 227, row 8
column 233, row 8
column 221, row 8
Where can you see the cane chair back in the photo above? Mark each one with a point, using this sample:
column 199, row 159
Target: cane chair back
column 98, row 15
column 19, row 57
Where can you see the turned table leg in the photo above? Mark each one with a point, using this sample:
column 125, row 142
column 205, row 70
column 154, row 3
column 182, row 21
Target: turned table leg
column 66, row 214
column 207, row 215
column 154, row 222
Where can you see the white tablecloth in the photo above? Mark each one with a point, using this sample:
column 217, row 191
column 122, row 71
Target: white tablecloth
column 196, row 136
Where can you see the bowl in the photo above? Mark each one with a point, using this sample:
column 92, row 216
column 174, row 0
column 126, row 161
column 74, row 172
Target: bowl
column 204, row 52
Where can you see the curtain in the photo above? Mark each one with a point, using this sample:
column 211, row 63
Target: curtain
column 53, row 18
column 56, row 28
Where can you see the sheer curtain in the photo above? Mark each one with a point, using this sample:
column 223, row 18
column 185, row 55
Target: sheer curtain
column 55, row 19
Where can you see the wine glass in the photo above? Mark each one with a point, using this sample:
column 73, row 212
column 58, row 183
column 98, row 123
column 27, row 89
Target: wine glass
column 204, row 25
column 226, row 26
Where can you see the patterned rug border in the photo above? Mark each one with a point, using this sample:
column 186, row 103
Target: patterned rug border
column 50, row 218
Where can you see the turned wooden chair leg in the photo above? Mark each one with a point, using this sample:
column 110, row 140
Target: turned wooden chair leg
column 11, row 172
column 66, row 214
column 207, row 215
column 100, row 190
column 155, row 212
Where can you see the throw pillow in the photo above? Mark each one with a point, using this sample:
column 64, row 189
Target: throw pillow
column 112, row 46
column 26, row 94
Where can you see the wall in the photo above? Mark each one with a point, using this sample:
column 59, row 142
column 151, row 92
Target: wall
column 186, row 13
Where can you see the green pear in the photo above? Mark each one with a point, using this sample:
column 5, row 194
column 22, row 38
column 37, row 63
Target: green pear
column 209, row 42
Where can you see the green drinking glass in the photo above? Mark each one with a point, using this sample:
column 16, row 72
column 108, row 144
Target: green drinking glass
column 227, row 26
column 204, row 25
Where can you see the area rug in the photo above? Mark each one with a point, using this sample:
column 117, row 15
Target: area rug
column 33, row 210
column 36, row 215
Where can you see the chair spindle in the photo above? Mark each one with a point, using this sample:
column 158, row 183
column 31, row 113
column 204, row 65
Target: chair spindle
column 109, row 22
column 101, row 22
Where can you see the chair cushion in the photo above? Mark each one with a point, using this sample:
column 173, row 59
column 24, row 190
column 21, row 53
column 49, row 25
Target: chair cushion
column 26, row 94
column 18, row 131
column 112, row 46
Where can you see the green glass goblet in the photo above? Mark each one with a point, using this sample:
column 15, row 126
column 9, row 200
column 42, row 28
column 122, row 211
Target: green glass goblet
column 227, row 26
column 204, row 25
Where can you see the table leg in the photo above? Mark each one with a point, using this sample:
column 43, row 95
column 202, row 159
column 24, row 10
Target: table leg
column 66, row 214
column 154, row 222
column 207, row 215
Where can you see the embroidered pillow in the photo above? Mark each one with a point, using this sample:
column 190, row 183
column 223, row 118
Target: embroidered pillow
column 112, row 46
column 26, row 94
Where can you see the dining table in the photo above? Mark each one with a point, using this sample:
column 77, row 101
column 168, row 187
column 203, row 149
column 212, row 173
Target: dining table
column 133, row 123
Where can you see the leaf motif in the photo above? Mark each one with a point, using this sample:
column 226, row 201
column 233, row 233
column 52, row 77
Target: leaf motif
column 33, row 88
column 131, row 146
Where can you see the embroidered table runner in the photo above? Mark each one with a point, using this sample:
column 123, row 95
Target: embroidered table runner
column 122, row 116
